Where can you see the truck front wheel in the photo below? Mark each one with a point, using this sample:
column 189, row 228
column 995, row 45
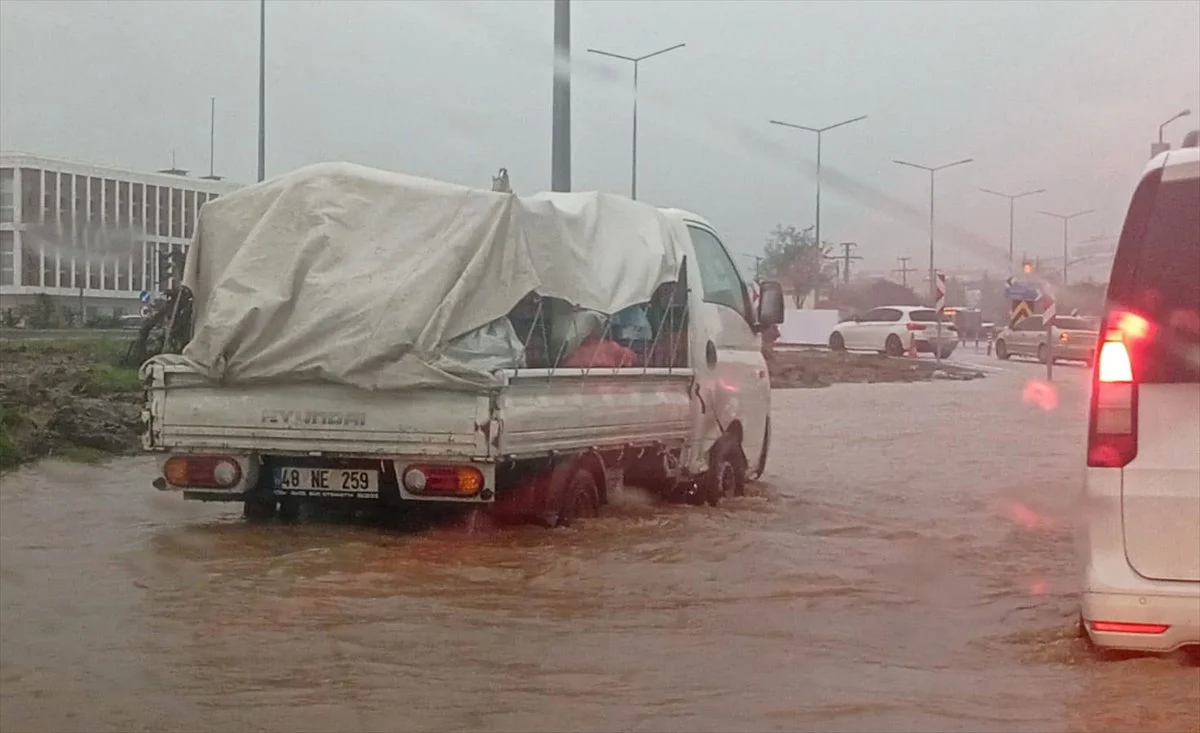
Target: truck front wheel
column 726, row 475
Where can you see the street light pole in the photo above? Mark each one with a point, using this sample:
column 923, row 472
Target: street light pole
column 1066, row 220
column 932, row 273
column 636, row 60
column 1012, row 198
column 262, row 90
column 1183, row 113
column 819, row 131
column 560, row 135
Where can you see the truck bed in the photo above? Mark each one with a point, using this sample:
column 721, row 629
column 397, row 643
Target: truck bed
column 534, row 412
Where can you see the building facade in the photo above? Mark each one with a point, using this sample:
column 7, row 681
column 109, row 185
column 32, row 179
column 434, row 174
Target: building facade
column 88, row 238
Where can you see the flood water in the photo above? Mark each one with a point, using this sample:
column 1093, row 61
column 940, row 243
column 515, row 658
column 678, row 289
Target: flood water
column 906, row 565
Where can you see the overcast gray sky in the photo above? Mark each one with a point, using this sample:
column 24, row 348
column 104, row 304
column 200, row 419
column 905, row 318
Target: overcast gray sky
column 1065, row 96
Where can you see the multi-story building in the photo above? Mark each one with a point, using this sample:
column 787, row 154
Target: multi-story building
column 92, row 238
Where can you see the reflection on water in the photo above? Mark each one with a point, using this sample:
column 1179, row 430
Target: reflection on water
column 852, row 591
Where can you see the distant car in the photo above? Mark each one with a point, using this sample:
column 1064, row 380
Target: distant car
column 1072, row 339
column 131, row 322
column 891, row 330
column 1139, row 529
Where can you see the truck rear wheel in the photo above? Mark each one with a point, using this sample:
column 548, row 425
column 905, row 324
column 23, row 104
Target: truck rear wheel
column 259, row 509
column 580, row 498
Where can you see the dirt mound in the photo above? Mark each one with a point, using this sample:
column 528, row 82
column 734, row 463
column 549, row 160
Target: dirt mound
column 820, row 368
column 67, row 398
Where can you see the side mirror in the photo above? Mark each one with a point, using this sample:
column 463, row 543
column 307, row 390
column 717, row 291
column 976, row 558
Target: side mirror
column 770, row 304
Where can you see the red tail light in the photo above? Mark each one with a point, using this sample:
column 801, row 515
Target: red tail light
column 442, row 479
column 917, row 327
column 1112, row 424
column 1124, row 627
column 210, row 472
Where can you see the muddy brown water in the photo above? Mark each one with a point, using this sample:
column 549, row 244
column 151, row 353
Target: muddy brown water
column 907, row 565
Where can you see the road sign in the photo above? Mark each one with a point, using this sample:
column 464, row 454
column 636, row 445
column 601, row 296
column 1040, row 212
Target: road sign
column 145, row 311
column 1021, row 309
column 144, row 296
column 1049, row 307
column 1021, row 291
column 940, row 299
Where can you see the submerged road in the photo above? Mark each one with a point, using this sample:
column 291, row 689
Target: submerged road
column 906, row 565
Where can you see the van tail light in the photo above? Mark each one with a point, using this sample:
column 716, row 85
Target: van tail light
column 442, row 480
column 916, row 326
column 1125, row 627
column 1112, row 422
column 207, row 472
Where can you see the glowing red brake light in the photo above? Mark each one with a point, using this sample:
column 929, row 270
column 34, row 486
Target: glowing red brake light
column 1125, row 627
column 1112, row 423
column 1114, row 364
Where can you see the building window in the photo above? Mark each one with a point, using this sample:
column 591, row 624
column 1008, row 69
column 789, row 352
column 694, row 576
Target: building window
column 96, row 199
column 79, row 193
column 8, row 259
column 164, row 211
column 31, row 195
column 94, row 282
column 138, row 194
column 7, row 194
column 176, row 212
column 64, row 270
column 49, row 271
column 31, row 267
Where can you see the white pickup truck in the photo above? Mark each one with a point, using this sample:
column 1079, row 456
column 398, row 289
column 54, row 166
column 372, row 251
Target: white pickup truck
column 333, row 360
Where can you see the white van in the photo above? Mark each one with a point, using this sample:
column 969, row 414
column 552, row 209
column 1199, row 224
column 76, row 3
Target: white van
column 363, row 336
column 1140, row 534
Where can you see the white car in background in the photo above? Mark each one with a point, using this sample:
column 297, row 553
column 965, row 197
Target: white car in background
column 1139, row 536
column 893, row 329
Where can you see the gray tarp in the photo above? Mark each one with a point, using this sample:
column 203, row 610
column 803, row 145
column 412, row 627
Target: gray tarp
column 342, row 273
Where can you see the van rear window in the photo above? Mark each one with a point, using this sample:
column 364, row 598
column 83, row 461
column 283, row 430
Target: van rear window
column 1157, row 274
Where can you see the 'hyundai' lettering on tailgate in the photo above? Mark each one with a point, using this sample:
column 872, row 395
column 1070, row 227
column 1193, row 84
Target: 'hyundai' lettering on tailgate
column 314, row 417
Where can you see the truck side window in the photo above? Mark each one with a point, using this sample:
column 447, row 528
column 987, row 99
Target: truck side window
column 720, row 281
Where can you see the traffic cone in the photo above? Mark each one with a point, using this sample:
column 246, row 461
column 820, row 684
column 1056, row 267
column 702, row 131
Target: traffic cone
column 912, row 347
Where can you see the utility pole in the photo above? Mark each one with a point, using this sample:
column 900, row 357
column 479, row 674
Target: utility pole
column 560, row 144
column 262, row 90
column 904, row 269
column 847, row 248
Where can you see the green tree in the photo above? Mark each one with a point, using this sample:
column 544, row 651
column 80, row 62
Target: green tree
column 793, row 257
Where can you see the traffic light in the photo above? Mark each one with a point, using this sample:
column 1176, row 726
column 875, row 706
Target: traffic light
column 1027, row 267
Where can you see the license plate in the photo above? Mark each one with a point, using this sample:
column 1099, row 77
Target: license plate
column 329, row 482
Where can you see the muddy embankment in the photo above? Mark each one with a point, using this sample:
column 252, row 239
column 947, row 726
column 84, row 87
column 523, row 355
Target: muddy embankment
column 67, row 398
column 791, row 368
column 73, row 398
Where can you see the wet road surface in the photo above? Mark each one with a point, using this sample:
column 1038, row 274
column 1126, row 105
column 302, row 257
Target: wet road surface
column 906, row 565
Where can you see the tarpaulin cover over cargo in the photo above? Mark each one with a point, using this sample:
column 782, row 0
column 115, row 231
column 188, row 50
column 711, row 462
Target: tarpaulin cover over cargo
column 338, row 272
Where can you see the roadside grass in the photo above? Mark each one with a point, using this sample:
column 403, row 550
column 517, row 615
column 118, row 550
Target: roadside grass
column 10, row 456
column 101, row 350
column 94, row 368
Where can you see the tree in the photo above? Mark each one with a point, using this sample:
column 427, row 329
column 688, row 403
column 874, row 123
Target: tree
column 859, row 297
column 793, row 257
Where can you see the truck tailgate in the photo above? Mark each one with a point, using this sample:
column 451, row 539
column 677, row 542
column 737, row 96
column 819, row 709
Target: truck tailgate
column 187, row 412
column 569, row 409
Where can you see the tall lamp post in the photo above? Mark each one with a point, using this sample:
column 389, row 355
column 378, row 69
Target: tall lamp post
column 560, row 135
column 932, row 171
column 819, row 131
column 1012, row 197
column 1066, row 220
column 1183, row 113
column 262, row 90
column 635, row 60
